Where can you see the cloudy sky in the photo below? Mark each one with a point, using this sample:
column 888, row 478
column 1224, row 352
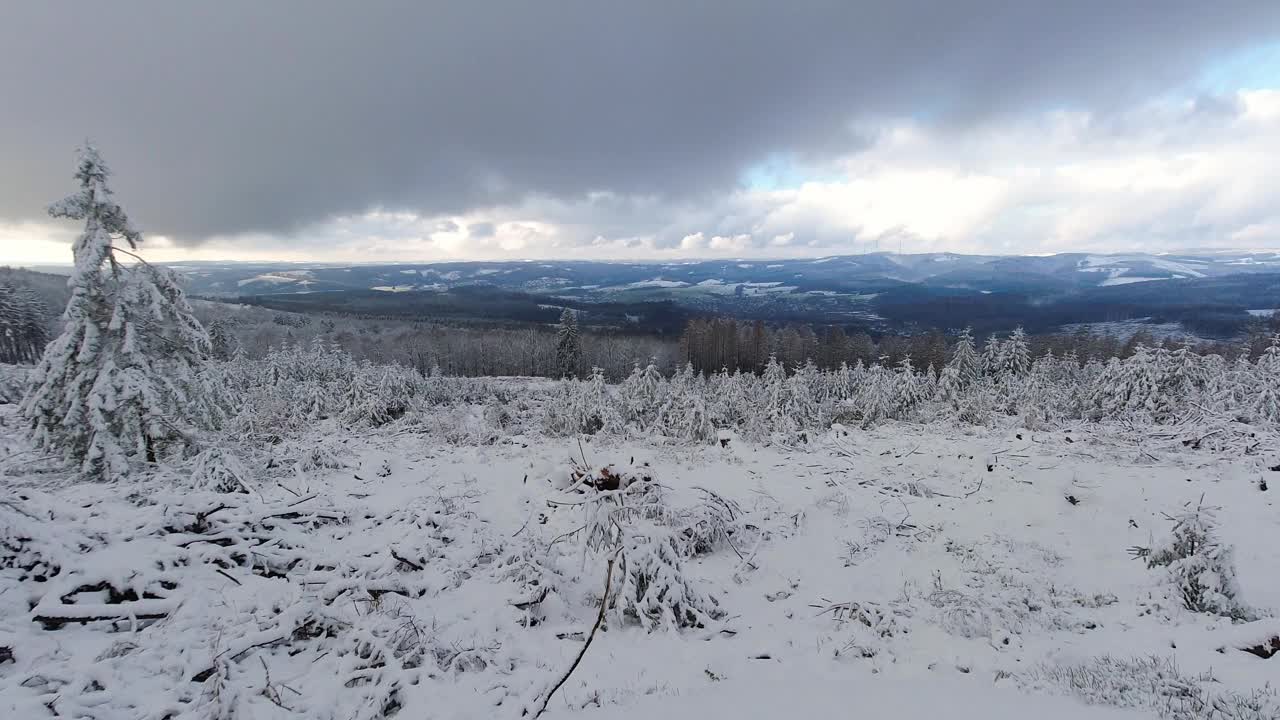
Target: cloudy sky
column 374, row 131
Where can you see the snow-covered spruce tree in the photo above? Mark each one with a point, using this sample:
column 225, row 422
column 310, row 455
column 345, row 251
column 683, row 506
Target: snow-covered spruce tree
column 909, row 390
column 1017, row 355
column 1266, row 402
column 1200, row 567
column 771, row 411
column 800, row 397
column 685, row 414
column 639, row 397
column 992, row 356
column 965, row 363
column 568, row 345
column 113, row 388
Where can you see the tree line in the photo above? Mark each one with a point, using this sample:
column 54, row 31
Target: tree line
column 714, row 344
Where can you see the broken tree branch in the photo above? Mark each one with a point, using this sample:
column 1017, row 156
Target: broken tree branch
column 604, row 605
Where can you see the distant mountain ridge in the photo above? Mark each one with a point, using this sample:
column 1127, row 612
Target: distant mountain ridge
column 1211, row 293
column 846, row 273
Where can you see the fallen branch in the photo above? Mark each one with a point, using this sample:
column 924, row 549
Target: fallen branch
column 54, row 615
column 54, row 622
column 975, row 490
column 604, row 605
column 406, row 561
column 224, row 574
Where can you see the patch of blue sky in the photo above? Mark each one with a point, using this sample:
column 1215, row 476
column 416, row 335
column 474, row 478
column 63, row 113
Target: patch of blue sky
column 782, row 171
column 1252, row 68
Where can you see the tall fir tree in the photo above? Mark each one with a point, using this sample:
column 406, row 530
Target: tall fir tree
column 114, row 388
column 965, row 361
column 1017, row 354
column 568, row 345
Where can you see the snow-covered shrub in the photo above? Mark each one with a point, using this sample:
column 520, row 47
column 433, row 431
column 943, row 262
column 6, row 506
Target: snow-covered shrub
column 378, row 396
column 871, row 624
column 1200, row 568
column 653, row 589
column 639, row 397
column 28, row 549
column 686, row 413
column 626, row 516
column 530, row 565
column 13, row 383
column 580, row 407
column 220, row 470
column 1153, row 683
column 295, row 386
column 1154, row 384
column 471, row 425
column 708, row 525
column 313, row 455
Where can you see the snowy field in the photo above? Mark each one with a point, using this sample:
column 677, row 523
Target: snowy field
column 906, row 570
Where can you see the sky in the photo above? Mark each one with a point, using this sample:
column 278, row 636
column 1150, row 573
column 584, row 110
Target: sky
column 408, row 131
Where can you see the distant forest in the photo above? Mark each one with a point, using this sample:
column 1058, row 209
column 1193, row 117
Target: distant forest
column 710, row 345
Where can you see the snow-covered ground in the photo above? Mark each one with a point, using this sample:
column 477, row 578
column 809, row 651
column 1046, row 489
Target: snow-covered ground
column 913, row 571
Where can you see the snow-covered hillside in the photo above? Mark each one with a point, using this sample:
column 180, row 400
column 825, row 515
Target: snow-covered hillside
column 913, row 570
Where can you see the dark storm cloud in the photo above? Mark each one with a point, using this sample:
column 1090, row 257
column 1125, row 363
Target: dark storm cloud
column 238, row 116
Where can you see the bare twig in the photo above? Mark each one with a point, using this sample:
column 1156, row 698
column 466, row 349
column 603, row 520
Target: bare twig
column 975, row 490
column 229, row 577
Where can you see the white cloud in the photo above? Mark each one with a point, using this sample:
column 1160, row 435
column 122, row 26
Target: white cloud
column 1167, row 175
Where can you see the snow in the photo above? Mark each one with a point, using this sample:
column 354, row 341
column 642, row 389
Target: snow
column 760, row 288
column 1093, row 263
column 657, row 283
column 1000, row 541
column 392, row 288
column 291, row 276
column 1127, row 280
column 770, row 690
column 1263, row 312
column 911, row 571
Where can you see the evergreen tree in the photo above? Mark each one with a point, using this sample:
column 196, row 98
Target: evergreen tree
column 568, row 345
column 1017, row 355
column 1266, row 400
column 965, row 360
column 114, row 387
column 993, row 356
